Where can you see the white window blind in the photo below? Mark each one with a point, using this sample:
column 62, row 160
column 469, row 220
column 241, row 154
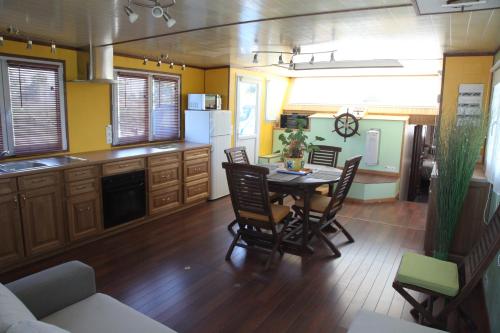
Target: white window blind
column 166, row 115
column 133, row 109
column 35, row 114
column 147, row 108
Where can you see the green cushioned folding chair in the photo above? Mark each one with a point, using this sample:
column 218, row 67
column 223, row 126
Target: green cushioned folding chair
column 443, row 280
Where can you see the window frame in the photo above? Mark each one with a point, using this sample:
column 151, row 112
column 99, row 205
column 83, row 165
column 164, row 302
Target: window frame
column 6, row 108
column 114, row 107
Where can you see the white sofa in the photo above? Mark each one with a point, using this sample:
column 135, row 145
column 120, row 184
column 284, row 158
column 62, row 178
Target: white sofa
column 65, row 296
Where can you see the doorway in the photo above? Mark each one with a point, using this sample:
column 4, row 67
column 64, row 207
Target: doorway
column 247, row 129
column 422, row 163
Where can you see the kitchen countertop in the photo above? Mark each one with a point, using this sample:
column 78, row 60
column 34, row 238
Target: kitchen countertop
column 101, row 156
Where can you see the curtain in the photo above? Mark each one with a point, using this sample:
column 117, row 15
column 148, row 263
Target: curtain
column 493, row 142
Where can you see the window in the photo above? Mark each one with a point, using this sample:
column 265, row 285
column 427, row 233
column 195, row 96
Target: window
column 275, row 94
column 493, row 141
column 32, row 117
column 395, row 91
column 146, row 108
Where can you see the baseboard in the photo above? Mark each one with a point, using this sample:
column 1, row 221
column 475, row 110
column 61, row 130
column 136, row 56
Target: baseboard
column 370, row 201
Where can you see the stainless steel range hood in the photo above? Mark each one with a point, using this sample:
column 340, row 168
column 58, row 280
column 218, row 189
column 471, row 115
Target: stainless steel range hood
column 96, row 65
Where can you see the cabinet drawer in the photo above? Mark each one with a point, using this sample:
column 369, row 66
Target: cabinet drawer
column 196, row 153
column 164, row 200
column 84, row 186
column 163, row 176
column 196, row 169
column 196, row 191
column 81, row 173
column 114, row 168
column 8, row 186
column 38, row 181
column 164, row 159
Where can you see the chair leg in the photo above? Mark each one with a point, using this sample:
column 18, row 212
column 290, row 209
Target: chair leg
column 344, row 231
column 420, row 307
column 231, row 226
column 233, row 244
column 327, row 241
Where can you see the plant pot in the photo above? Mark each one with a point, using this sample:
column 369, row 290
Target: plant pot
column 294, row 163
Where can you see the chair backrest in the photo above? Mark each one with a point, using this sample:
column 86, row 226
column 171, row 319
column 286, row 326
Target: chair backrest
column 326, row 155
column 483, row 252
column 237, row 155
column 346, row 178
column 248, row 189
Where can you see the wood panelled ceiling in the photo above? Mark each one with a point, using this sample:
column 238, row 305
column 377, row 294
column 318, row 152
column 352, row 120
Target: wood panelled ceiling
column 211, row 33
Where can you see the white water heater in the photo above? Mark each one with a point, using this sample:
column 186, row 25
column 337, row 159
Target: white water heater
column 372, row 146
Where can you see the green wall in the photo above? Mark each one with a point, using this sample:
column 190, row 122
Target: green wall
column 492, row 279
column 391, row 141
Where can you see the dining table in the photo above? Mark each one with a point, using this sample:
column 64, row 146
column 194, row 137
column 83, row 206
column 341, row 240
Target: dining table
column 303, row 186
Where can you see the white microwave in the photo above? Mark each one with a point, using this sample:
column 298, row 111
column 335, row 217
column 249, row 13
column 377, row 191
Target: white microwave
column 204, row 102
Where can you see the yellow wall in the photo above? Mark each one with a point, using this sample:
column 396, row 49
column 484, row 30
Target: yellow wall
column 266, row 127
column 217, row 82
column 89, row 105
column 464, row 69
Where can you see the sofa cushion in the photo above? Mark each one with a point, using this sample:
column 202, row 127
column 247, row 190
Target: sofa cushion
column 34, row 326
column 12, row 309
column 101, row 313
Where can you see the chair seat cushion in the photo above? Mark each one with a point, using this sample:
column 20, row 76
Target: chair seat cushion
column 279, row 213
column 318, row 203
column 429, row 273
column 102, row 313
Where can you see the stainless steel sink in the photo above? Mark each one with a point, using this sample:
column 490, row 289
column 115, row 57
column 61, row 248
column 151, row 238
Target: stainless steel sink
column 21, row 166
column 166, row 147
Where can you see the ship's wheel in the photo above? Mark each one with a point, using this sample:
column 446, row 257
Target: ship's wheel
column 346, row 125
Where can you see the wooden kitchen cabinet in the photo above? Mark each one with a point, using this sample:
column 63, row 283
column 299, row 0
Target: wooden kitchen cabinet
column 164, row 176
column 196, row 169
column 165, row 200
column 196, row 191
column 84, row 215
column 42, row 216
column 11, row 236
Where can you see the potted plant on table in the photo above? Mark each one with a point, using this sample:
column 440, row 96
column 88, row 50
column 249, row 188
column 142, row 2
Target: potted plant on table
column 295, row 143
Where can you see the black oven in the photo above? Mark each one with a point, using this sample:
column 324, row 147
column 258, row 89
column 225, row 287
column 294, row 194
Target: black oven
column 124, row 198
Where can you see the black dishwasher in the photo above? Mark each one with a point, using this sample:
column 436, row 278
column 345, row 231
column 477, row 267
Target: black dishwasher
column 124, row 198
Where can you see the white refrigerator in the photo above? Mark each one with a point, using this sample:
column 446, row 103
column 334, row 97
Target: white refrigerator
column 214, row 128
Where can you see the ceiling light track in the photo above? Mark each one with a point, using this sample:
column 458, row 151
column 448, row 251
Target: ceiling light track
column 163, row 60
column 159, row 9
column 296, row 51
column 13, row 33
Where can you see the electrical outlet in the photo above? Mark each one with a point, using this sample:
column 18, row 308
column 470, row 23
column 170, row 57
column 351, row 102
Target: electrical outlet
column 109, row 134
column 390, row 167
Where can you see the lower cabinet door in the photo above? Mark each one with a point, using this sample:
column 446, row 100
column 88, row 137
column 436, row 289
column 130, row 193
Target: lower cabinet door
column 42, row 215
column 84, row 216
column 11, row 236
column 164, row 200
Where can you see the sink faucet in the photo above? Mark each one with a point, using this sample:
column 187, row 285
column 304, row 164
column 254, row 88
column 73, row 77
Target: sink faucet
column 4, row 154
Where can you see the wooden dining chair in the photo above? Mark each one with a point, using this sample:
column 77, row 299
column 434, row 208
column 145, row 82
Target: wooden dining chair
column 239, row 155
column 261, row 224
column 328, row 207
column 446, row 281
column 326, row 156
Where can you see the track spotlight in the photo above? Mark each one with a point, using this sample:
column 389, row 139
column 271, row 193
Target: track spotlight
column 183, row 66
column 1, row 40
column 157, row 11
column 332, row 57
column 169, row 19
column 171, row 65
column 132, row 17
column 53, row 47
column 280, row 59
column 145, row 61
column 291, row 65
column 312, row 60
column 255, row 59
column 29, row 44
column 158, row 64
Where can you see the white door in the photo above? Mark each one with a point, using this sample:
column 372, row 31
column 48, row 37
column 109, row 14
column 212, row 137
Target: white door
column 247, row 116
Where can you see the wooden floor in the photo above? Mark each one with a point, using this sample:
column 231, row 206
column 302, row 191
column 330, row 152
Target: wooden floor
column 174, row 271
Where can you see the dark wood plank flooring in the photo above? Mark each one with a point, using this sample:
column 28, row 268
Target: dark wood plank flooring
column 173, row 270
